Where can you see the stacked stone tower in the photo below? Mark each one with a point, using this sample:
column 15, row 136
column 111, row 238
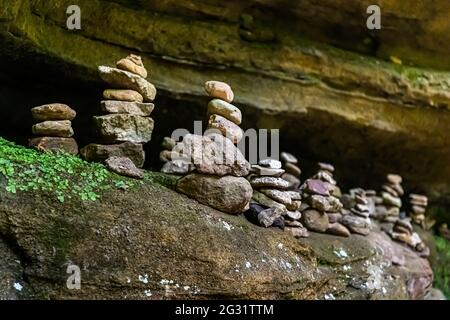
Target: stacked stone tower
column 319, row 202
column 418, row 207
column 219, row 166
column 126, row 125
column 53, row 129
column 283, row 203
column 389, row 210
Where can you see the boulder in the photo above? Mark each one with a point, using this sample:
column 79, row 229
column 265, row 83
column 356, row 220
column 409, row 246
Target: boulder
column 213, row 154
column 150, row 242
column 100, row 152
column 178, row 167
column 315, row 220
column 124, row 166
column 228, row 193
column 124, row 128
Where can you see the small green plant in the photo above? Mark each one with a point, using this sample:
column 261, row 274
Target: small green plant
column 63, row 175
column 441, row 266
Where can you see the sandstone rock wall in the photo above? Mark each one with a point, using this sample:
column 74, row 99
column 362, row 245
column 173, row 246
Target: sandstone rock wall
column 367, row 116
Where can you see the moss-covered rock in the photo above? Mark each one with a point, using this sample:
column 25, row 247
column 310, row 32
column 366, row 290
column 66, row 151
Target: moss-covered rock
column 149, row 242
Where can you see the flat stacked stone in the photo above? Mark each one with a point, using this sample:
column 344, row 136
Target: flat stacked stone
column 402, row 231
column 418, row 207
column 356, row 213
column 220, row 167
column 126, row 125
column 282, row 204
column 292, row 171
column 392, row 191
column 53, row 128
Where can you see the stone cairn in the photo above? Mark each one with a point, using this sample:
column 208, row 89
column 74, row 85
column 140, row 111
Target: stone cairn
column 53, row 128
column 167, row 146
column 127, row 125
column 392, row 190
column 418, row 207
column 356, row 212
column 219, row 166
column 402, row 231
column 292, row 171
column 278, row 206
column 321, row 209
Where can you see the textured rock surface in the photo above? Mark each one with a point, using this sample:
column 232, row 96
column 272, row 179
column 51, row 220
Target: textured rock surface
column 125, row 127
column 213, row 154
column 68, row 145
column 192, row 245
column 54, row 111
column 125, row 79
column 229, row 194
column 58, row 128
column 350, row 107
column 135, row 108
column 99, row 152
column 125, row 167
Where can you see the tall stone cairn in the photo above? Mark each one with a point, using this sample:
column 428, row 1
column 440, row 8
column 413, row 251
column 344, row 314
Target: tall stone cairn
column 220, row 168
column 126, row 125
column 53, row 128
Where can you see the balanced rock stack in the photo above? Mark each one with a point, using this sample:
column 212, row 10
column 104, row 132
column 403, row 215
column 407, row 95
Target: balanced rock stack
column 167, row 146
column 53, row 128
column 356, row 212
column 292, row 171
column 402, row 231
column 418, row 207
column 389, row 210
column 320, row 211
column 127, row 126
column 220, row 167
column 266, row 178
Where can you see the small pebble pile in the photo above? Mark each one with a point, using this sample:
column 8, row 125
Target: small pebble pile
column 127, row 125
column 292, row 171
column 284, row 204
column 392, row 190
column 356, row 212
column 53, row 128
column 320, row 206
column 418, row 207
column 402, row 231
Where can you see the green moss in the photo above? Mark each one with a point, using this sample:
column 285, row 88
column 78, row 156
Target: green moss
column 166, row 180
column 59, row 174
column 440, row 267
